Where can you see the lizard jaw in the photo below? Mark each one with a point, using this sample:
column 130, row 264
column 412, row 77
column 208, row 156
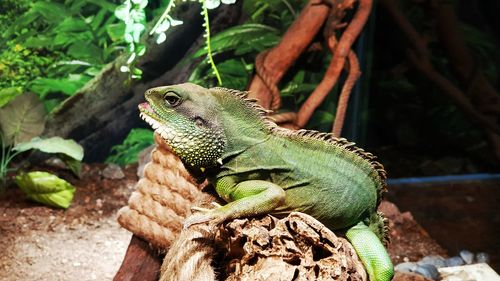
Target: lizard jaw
column 149, row 115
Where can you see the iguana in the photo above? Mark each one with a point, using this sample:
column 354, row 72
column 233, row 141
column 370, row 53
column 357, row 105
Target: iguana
column 260, row 168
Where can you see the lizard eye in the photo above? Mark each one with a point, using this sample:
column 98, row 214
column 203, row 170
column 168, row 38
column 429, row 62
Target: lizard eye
column 172, row 99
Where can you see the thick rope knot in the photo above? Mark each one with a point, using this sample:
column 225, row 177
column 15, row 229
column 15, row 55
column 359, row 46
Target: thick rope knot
column 162, row 199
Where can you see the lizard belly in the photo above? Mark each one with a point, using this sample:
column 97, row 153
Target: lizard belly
column 333, row 206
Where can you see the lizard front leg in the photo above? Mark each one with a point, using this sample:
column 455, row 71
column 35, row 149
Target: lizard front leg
column 247, row 198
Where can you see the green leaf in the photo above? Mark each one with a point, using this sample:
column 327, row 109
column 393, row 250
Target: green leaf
column 234, row 73
column 135, row 142
column 74, row 165
column 70, row 25
column 46, row 188
column 40, row 41
column 136, row 71
column 51, row 11
column 50, row 104
column 140, row 49
column 63, row 39
column 123, row 11
column 23, row 21
column 22, row 119
column 68, row 86
column 53, row 145
column 116, row 31
column 104, row 4
column 9, row 94
column 240, row 36
column 98, row 19
column 85, row 51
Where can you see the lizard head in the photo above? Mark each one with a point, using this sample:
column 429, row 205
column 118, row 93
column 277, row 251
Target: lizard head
column 185, row 116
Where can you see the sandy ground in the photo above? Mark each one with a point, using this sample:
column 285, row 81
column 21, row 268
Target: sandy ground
column 82, row 243
column 83, row 253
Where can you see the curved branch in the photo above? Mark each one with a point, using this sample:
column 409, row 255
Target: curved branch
column 352, row 77
column 262, row 72
column 280, row 58
column 337, row 63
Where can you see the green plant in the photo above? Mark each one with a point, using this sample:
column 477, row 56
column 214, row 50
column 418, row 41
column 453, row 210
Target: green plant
column 127, row 152
column 133, row 15
column 236, row 49
column 21, row 121
column 7, row 156
column 46, row 188
column 54, row 48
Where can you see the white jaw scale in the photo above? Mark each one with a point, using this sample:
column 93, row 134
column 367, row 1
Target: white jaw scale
column 165, row 132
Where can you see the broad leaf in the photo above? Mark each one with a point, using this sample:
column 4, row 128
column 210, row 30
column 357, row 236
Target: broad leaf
column 53, row 145
column 22, row 119
column 68, row 86
column 116, row 31
column 74, row 165
column 46, row 188
column 9, row 94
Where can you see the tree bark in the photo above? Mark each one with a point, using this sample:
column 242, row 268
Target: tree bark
column 297, row 247
column 102, row 113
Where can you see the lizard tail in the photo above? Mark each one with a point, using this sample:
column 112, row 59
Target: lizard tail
column 379, row 224
column 372, row 253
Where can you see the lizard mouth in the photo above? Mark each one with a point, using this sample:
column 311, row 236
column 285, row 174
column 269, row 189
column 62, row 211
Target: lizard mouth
column 148, row 114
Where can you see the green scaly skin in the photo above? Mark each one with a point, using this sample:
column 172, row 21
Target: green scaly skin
column 259, row 168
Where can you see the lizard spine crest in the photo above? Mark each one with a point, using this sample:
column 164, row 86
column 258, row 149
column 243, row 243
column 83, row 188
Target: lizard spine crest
column 313, row 135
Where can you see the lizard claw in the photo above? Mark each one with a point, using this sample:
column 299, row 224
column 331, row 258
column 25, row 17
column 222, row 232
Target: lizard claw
column 200, row 209
column 205, row 210
column 197, row 219
column 216, row 205
column 206, row 216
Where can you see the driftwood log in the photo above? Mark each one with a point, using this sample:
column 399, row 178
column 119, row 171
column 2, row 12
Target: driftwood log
column 297, row 247
column 101, row 114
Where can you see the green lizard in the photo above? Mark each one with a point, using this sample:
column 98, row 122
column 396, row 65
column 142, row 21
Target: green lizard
column 260, row 168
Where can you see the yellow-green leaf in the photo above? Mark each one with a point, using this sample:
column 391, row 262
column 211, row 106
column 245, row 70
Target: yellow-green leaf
column 46, row 188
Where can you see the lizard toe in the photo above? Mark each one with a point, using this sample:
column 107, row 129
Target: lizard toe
column 197, row 219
